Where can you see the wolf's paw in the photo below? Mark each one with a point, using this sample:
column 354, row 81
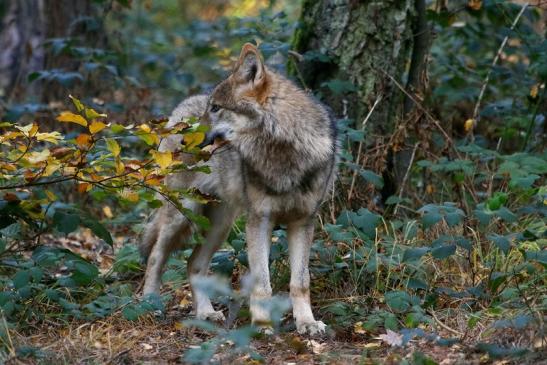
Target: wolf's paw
column 265, row 330
column 215, row 316
column 315, row 328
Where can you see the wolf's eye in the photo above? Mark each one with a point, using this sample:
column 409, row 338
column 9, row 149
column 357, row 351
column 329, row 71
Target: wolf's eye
column 215, row 108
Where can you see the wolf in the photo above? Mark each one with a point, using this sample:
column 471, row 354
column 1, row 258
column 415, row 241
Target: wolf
column 277, row 166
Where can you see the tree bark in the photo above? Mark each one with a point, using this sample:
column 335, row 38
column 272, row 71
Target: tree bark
column 21, row 37
column 369, row 43
column 26, row 26
column 364, row 41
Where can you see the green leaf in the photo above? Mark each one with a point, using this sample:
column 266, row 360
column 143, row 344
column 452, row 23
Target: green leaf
column 496, row 351
column 415, row 253
column 502, row 242
column 373, row 178
column 65, row 222
column 443, row 251
column 21, row 279
column 430, row 219
column 98, row 229
column 398, row 300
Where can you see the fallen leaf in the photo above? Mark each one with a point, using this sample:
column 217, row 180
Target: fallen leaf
column 392, row 338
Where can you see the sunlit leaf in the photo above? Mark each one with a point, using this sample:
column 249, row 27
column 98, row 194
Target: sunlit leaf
column 193, row 139
column 113, row 146
column 163, row 159
column 96, row 127
column 72, row 118
column 77, row 103
column 93, row 114
column 53, row 137
column 83, row 141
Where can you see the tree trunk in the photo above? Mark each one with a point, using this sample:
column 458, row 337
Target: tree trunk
column 368, row 43
column 26, row 26
column 21, row 37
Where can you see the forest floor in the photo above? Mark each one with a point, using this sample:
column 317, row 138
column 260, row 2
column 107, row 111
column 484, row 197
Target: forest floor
column 164, row 339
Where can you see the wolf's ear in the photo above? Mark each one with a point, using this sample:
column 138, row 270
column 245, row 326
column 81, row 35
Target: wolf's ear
column 249, row 67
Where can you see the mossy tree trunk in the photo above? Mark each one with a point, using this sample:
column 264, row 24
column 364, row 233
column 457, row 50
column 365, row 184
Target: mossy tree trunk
column 366, row 45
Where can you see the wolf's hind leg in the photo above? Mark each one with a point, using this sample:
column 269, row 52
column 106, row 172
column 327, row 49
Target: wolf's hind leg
column 173, row 228
column 300, row 236
column 221, row 217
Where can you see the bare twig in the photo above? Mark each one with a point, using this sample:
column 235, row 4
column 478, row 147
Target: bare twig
column 494, row 62
column 420, row 106
column 360, row 148
column 449, row 329
column 403, row 183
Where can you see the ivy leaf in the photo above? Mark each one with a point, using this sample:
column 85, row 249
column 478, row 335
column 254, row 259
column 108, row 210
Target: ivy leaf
column 69, row 117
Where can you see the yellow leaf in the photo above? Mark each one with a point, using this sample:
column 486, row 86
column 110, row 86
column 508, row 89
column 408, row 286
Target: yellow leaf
column 534, row 91
column 52, row 166
column 29, row 130
column 475, row 4
column 96, row 127
column 468, row 125
column 69, row 170
column 36, row 157
column 358, row 328
column 193, row 139
column 83, row 141
column 51, row 196
column 163, row 159
column 145, row 128
column 72, row 118
column 93, row 114
column 130, row 195
column 77, row 103
column 113, row 146
column 120, row 167
column 107, row 211
column 33, row 130
column 84, row 187
column 53, row 137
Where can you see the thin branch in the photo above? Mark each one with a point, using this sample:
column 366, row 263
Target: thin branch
column 494, row 62
column 359, row 149
column 403, row 183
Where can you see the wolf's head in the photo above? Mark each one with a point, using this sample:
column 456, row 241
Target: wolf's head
column 249, row 83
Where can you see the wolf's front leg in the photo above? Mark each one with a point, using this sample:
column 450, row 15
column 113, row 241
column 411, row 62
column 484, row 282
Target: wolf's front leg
column 300, row 236
column 259, row 235
column 221, row 216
